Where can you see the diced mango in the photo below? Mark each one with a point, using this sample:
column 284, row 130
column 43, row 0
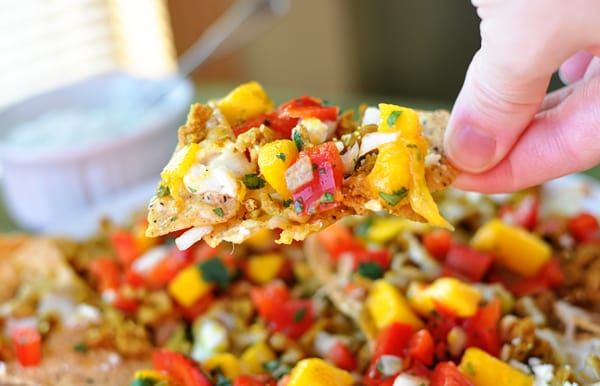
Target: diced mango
column 384, row 229
column 386, row 304
column 398, row 118
column 392, row 156
column 317, row 372
column 179, row 164
column 154, row 375
column 519, row 250
column 453, row 294
column 262, row 240
column 189, row 286
column 274, row 158
column 265, row 267
column 245, row 101
column 485, row 370
column 254, row 358
column 228, row 363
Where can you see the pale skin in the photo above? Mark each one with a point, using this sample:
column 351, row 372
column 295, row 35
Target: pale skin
column 505, row 133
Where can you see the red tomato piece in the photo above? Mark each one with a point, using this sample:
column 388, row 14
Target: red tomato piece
column 161, row 273
column 447, row 374
column 198, row 307
column 124, row 303
column 182, row 369
column 107, row 273
column 381, row 257
column 525, row 214
column 338, row 239
column 437, row 242
column 320, row 194
column 308, row 107
column 125, row 246
column 282, row 124
column 421, row 347
column 27, row 344
column 550, row 275
column 584, row 227
column 393, row 340
column 482, row 328
column 467, row 262
column 341, row 356
column 254, row 380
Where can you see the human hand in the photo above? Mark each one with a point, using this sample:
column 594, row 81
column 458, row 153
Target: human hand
column 505, row 133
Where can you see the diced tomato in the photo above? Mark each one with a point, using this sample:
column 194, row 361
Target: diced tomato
column 125, row 303
column 27, row 344
column 525, row 214
column 125, row 246
column 107, row 273
column 292, row 317
column 133, row 279
column 282, row 124
column 321, row 193
column 341, row 356
column 467, row 262
column 550, row 275
column 198, row 307
column 421, row 346
column 337, row 239
column 161, row 273
column 441, row 322
column 381, row 257
column 584, row 227
column 447, row 374
column 254, row 380
column 437, row 242
column 482, row 328
column 387, row 382
column 393, row 340
column 308, row 107
column 182, row 369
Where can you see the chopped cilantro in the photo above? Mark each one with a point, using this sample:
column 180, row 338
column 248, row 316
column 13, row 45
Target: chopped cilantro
column 253, row 181
column 163, row 190
column 322, row 170
column 298, row 139
column 325, row 102
column 192, row 190
column 222, row 380
column 470, row 369
column 214, row 271
column 393, row 117
column 276, row 368
column 287, row 202
column 298, row 206
column 326, row 198
column 281, row 156
column 314, row 166
column 80, row 347
column 144, row 382
column 218, row 212
column 379, row 366
column 411, row 145
column 299, row 315
column 394, row 198
column 372, row 271
column 362, row 229
column 173, row 218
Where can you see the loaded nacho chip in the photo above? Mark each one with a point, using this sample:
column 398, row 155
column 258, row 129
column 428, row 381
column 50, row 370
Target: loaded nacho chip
column 242, row 165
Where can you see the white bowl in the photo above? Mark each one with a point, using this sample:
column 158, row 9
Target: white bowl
column 50, row 175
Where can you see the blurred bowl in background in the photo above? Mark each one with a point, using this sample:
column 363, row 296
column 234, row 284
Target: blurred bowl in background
column 65, row 151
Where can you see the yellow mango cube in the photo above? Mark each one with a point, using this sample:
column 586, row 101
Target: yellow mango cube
column 274, row 158
column 228, row 363
column 386, row 305
column 189, row 286
column 154, row 375
column 255, row 356
column 317, row 372
column 398, row 118
column 392, row 187
column 179, row 164
column 265, row 267
column 383, row 229
column 516, row 248
column 453, row 294
column 485, row 370
column 245, row 101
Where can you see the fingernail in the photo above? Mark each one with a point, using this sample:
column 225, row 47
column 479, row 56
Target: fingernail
column 471, row 149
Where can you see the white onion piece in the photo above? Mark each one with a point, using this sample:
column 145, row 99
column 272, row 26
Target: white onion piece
column 349, row 158
column 371, row 141
column 371, row 116
column 299, row 173
column 190, row 237
column 149, row 259
column 406, row 379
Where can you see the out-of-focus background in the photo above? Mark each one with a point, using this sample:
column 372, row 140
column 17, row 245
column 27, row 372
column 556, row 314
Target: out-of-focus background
column 346, row 51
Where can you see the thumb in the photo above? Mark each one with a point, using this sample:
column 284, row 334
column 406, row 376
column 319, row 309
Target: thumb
column 508, row 77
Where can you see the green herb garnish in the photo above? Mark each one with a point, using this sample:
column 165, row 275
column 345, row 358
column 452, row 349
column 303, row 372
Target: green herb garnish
column 276, row 368
column 394, row 198
column 299, row 315
column 393, row 117
column 253, row 181
column 287, row 202
column 173, row 218
column 192, row 190
column 222, row 380
column 297, row 138
column 362, row 229
column 298, row 206
column 322, row 170
column 214, row 271
column 281, row 156
column 163, row 190
column 218, row 212
column 326, row 198
column 372, row 271
column 411, row 145
column 80, row 347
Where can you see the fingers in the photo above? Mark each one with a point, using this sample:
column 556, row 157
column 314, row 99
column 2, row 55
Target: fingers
column 559, row 141
column 574, row 68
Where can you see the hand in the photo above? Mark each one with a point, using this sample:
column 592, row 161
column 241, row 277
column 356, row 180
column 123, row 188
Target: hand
column 505, row 133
